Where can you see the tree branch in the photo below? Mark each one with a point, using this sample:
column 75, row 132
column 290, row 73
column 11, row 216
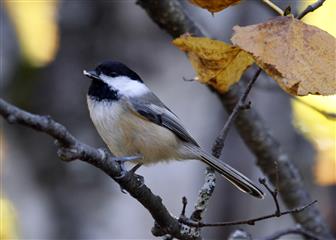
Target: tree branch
column 269, row 154
column 210, row 178
column 204, row 195
column 170, row 16
column 251, row 221
column 274, row 7
column 70, row 148
column 208, row 187
column 241, row 104
column 311, row 8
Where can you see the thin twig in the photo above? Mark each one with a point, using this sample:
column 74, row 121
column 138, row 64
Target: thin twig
column 251, row 221
column 297, row 231
column 208, row 188
column 204, row 195
column 219, row 143
column 274, row 7
column 274, row 194
column 184, row 206
column 311, row 8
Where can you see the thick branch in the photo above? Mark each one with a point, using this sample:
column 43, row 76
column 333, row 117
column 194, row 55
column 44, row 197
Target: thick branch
column 170, row 16
column 71, row 148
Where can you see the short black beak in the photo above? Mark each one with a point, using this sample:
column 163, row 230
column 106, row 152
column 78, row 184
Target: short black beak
column 91, row 74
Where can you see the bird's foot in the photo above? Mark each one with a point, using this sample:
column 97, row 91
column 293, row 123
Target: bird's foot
column 123, row 160
column 123, row 170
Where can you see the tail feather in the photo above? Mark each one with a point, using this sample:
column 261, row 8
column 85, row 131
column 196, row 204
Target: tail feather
column 232, row 175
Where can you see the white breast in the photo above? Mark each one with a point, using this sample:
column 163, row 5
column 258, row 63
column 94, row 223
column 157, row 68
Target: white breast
column 105, row 116
column 126, row 133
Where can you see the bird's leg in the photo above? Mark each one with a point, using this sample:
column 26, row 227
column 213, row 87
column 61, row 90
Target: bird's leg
column 121, row 161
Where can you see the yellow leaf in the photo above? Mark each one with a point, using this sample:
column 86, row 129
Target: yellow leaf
column 321, row 131
column 216, row 63
column 8, row 228
column 300, row 57
column 318, row 129
column 214, row 5
column 323, row 17
column 36, row 27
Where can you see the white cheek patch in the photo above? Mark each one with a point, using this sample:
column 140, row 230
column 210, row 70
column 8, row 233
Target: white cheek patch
column 125, row 85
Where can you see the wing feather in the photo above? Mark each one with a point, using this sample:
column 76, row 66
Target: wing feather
column 159, row 114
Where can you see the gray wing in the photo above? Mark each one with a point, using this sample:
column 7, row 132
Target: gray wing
column 159, row 114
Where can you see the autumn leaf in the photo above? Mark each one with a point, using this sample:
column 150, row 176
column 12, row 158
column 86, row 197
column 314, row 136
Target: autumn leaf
column 300, row 57
column 320, row 131
column 36, row 28
column 214, row 5
column 316, row 127
column 216, row 63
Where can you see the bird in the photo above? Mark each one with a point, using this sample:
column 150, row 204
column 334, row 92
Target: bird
column 133, row 121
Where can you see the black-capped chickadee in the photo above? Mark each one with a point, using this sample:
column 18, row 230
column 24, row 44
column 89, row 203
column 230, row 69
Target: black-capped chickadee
column 132, row 120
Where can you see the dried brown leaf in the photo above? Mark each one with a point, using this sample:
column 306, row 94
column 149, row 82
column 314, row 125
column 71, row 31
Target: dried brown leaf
column 300, row 57
column 215, row 62
column 214, row 5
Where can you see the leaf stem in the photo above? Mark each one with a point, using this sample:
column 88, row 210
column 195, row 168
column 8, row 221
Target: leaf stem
column 274, row 7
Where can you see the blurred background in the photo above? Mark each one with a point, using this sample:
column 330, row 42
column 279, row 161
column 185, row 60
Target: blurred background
column 45, row 45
